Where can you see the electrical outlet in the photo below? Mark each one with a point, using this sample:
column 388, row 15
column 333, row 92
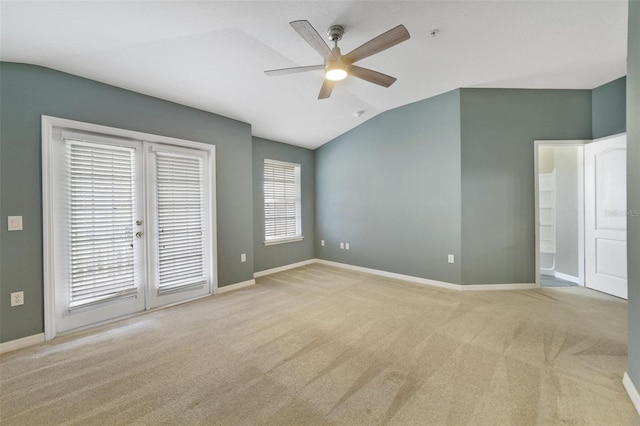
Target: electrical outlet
column 322, row 243
column 243, row 257
column 17, row 298
column 346, row 246
column 451, row 259
column 341, row 246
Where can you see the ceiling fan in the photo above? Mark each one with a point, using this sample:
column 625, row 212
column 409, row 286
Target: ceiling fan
column 338, row 66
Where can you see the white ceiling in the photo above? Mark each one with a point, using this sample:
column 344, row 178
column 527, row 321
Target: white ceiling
column 211, row 54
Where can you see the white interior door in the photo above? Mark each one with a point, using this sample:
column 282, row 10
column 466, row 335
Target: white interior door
column 605, row 215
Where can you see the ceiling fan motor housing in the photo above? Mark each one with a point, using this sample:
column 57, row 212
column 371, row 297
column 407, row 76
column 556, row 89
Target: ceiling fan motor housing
column 335, row 33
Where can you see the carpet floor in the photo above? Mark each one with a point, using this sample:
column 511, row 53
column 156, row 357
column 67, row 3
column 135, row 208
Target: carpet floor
column 322, row 345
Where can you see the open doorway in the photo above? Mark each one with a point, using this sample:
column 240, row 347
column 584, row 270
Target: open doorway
column 580, row 214
column 559, row 187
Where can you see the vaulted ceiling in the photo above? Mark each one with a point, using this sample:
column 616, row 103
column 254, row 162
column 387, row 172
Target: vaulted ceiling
column 211, row 54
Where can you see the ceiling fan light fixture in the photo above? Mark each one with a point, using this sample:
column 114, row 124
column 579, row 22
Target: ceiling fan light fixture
column 335, row 71
column 336, row 74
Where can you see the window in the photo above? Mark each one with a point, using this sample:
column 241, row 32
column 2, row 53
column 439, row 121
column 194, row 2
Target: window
column 282, row 202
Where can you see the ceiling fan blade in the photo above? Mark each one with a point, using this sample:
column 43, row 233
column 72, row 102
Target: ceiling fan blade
column 293, row 70
column 311, row 36
column 382, row 42
column 326, row 89
column 372, row 76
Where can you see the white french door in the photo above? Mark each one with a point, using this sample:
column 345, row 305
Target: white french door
column 177, row 188
column 98, row 200
column 132, row 225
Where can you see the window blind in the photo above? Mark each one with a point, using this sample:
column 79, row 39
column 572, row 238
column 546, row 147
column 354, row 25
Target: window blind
column 281, row 200
column 101, row 185
column 180, row 216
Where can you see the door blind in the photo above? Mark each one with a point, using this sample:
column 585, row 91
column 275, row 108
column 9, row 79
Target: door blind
column 180, row 216
column 281, row 200
column 101, row 214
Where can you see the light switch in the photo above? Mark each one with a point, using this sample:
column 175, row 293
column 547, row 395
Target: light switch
column 15, row 223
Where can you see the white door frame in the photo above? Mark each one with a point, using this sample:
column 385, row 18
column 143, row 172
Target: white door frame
column 48, row 124
column 537, row 145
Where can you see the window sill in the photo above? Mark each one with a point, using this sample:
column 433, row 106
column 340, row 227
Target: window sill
column 283, row 241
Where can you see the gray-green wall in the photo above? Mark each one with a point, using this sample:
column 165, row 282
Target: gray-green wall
column 633, row 188
column 449, row 175
column 391, row 189
column 498, row 128
column 27, row 92
column 273, row 256
column 609, row 106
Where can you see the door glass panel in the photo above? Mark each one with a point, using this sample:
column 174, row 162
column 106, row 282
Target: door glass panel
column 179, row 218
column 180, row 221
column 101, row 193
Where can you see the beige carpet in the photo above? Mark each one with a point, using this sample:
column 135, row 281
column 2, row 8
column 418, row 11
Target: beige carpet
column 321, row 345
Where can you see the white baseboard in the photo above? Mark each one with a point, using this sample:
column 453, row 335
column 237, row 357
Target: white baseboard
column 24, row 342
column 235, row 286
column 393, row 275
column 433, row 283
column 506, row 286
column 283, row 268
column 632, row 391
column 566, row 277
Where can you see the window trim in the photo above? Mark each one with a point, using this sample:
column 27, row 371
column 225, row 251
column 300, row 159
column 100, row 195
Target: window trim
column 290, row 238
column 283, row 240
